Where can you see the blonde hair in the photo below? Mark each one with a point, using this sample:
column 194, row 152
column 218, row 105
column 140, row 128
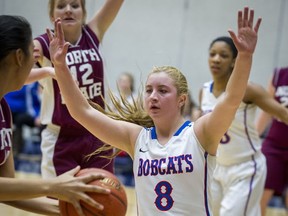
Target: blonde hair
column 51, row 6
column 134, row 112
column 180, row 81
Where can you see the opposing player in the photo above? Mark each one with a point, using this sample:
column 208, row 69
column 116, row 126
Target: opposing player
column 16, row 61
column 65, row 143
column 275, row 144
column 173, row 159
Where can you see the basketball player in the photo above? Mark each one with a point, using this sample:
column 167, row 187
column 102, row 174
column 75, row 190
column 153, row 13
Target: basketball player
column 65, row 143
column 240, row 169
column 275, row 144
column 16, row 61
column 173, row 159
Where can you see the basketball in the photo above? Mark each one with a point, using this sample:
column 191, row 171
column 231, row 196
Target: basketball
column 115, row 203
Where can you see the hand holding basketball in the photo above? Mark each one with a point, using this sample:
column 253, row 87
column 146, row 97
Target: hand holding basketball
column 70, row 189
column 115, row 202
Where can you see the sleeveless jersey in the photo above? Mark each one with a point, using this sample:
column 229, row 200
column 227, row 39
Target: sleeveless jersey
column 86, row 65
column 241, row 141
column 277, row 129
column 5, row 131
column 172, row 179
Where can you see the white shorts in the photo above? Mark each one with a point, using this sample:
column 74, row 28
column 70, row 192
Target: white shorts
column 49, row 138
column 237, row 189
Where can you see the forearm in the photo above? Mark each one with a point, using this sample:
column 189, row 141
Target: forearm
column 73, row 97
column 39, row 73
column 262, row 122
column 16, row 189
column 237, row 84
column 282, row 114
column 43, row 206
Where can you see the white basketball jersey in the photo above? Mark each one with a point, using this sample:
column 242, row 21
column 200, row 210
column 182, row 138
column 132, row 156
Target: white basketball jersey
column 241, row 141
column 172, row 179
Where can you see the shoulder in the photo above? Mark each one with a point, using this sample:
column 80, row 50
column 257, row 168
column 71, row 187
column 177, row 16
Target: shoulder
column 207, row 84
column 43, row 38
column 42, row 43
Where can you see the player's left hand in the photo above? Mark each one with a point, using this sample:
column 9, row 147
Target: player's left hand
column 246, row 39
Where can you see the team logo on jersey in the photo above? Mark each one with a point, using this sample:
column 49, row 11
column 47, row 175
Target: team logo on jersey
column 165, row 166
column 6, row 143
column 282, row 94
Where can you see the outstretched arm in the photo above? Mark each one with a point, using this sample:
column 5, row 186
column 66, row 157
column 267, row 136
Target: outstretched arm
column 116, row 133
column 211, row 127
column 270, row 107
column 104, row 17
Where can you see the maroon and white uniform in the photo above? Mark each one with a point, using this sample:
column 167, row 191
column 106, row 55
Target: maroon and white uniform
column 275, row 145
column 5, row 131
column 65, row 143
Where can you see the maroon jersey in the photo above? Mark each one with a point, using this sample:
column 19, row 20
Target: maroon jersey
column 278, row 129
column 64, row 149
column 86, row 65
column 5, row 131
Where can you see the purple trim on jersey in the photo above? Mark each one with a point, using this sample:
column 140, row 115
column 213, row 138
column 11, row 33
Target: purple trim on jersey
column 187, row 123
column 211, row 87
column 153, row 133
column 5, row 131
column 205, row 186
column 250, row 185
column 246, row 128
column 183, row 126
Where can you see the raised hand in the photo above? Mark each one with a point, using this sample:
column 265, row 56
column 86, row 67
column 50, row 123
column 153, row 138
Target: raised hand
column 246, row 39
column 73, row 189
column 58, row 47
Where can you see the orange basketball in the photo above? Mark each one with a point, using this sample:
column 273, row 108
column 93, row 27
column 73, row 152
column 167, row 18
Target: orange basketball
column 115, row 203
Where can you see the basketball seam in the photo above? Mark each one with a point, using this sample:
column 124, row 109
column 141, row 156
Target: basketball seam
column 119, row 198
column 91, row 212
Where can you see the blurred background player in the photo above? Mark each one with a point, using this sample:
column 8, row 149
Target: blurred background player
column 275, row 144
column 125, row 96
column 238, row 180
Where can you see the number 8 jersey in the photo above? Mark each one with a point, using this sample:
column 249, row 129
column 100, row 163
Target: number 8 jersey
column 172, row 179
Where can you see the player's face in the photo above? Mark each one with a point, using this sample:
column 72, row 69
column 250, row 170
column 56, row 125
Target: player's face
column 220, row 60
column 160, row 98
column 70, row 12
column 124, row 83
